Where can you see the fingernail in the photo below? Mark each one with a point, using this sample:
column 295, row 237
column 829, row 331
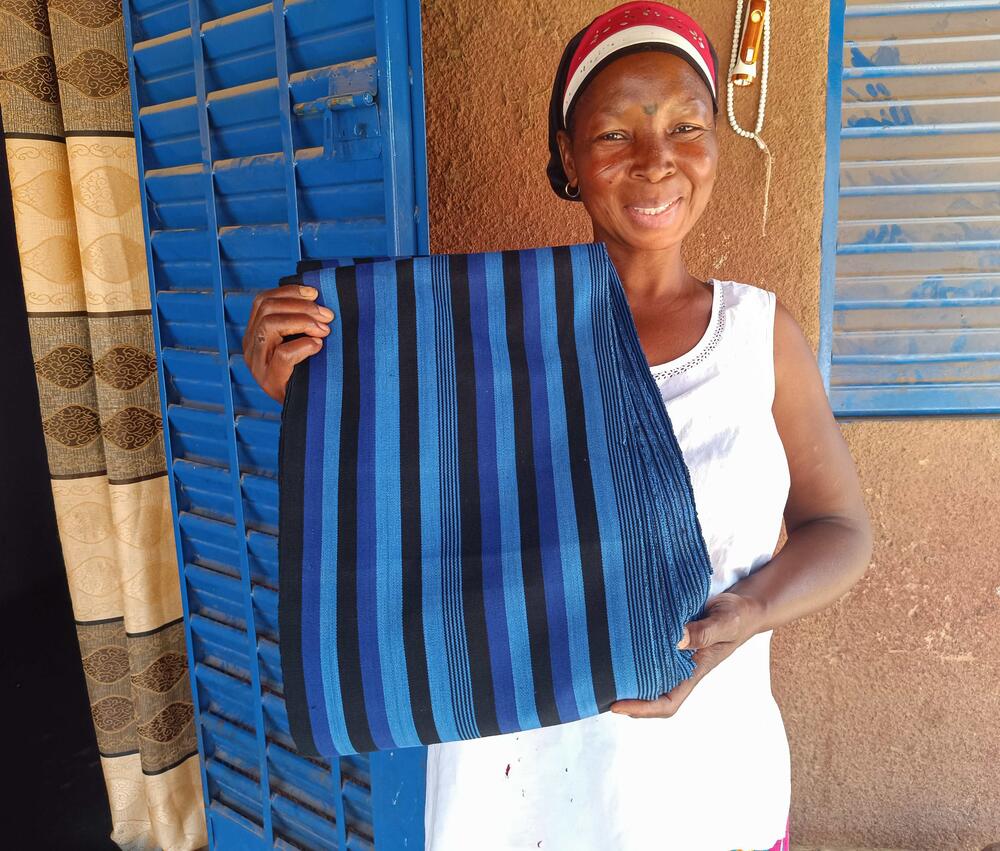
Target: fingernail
column 325, row 313
column 324, row 328
column 308, row 292
column 683, row 642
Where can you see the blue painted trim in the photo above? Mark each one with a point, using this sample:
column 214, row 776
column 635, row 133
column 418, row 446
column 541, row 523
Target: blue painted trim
column 918, row 189
column 861, row 132
column 287, row 143
column 928, row 70
column 398, row 792
column 831, row 188
column 162, row 390
column 915, row 247
column 872, row 10
column 394, row 111
column 419, row 130
column 222, row 342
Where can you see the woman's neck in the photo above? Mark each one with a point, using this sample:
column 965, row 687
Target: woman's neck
column 652, row 277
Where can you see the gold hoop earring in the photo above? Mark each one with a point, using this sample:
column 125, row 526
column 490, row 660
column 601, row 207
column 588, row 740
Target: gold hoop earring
column 570, row 194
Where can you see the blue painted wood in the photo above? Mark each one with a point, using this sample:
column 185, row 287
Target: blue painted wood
column 266, row 134
column 910, row 295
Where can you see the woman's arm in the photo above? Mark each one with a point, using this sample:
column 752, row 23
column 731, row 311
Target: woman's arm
column 829, row 542
column 829, row 535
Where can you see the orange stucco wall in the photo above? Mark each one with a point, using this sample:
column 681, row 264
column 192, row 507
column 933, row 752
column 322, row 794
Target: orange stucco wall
column 890, row 696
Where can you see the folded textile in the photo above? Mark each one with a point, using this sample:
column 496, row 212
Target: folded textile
column 486, row 522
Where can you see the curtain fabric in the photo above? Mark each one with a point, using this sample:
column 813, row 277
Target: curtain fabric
column 64, row 95
column 486, row 522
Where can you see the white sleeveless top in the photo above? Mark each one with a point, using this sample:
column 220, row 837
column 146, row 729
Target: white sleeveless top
column 717, row 775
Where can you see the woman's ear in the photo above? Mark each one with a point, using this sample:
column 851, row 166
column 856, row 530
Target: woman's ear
column 566, row 154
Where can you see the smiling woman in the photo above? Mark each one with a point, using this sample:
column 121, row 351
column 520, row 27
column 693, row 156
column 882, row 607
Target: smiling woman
column 706, row 767
column 632, row 136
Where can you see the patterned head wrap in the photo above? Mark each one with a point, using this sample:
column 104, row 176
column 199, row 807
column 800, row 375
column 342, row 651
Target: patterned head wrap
column 629, row 28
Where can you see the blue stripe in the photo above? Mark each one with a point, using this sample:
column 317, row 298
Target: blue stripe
column 569, row 535
column 312, row 565
column 330, row 362
column 510, row 526
column 367, row 602
column 388, row 528
column 430, row 507
column 555, row 600
column 489, row 497
column 586, row 314
column 450, row 517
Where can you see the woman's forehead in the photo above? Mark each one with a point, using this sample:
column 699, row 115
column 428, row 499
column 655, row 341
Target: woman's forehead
column 641, row 76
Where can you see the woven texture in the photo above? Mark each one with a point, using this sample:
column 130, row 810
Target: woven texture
column 486, row 522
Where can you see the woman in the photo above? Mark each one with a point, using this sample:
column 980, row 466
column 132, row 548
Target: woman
column 705, row 767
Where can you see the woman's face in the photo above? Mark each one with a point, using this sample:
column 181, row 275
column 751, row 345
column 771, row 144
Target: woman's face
column 643, row 138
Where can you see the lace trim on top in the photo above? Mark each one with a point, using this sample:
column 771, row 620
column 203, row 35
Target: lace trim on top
column 707, row 344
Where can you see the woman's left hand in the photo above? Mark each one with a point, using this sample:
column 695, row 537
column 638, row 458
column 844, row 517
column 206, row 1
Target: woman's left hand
column 729, row 621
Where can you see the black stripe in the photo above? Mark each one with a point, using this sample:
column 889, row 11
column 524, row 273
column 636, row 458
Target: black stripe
column 598, row 633
column 117, row 134
column 111, row 314
column 100, row 621
column 137, row 479
column 59, row 477
column 171, row 766
column 291, row 481
column 348, row 647
column 41, row 137
column 531, row 560
column 155, row 629
column 93, row 314
column 409, row 502
column 470, row 516
column 308, row 265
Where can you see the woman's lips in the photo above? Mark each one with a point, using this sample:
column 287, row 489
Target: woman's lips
column 655, row 217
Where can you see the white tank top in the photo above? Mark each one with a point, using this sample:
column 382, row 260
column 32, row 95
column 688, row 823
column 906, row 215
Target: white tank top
column 717, row 775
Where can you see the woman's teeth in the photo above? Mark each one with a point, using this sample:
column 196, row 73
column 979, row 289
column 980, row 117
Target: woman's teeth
column 653, row 211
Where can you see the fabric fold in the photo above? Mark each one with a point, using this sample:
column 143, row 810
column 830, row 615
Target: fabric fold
column 486, row 522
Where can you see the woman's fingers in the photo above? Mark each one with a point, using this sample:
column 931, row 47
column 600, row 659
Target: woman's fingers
column 662, row 707
column 267, row 338
column 281, row 304
column 275, row 314
column 276, row 325
column 283, row 361
column 287, row 291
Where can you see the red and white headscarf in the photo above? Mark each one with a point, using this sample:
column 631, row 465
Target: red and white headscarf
column 633, row 24
column 628, row 28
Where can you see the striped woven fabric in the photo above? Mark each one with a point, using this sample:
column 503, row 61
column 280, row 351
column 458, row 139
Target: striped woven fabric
column 486, row 523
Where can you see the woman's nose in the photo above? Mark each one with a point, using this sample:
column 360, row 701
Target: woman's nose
column 654, row 159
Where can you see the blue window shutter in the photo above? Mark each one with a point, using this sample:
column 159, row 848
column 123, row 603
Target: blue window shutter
column 910, row 299
column 266, row 134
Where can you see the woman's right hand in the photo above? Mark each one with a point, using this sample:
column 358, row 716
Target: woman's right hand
column 276, row 313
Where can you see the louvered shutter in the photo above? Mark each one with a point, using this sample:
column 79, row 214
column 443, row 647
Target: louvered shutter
column 267, row 134
column 911, row 290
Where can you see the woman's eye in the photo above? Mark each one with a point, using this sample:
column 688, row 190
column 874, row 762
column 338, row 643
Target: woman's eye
column 686, row 128
column 612, row 136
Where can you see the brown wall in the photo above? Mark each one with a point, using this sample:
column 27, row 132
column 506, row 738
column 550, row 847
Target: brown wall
column 891, row 696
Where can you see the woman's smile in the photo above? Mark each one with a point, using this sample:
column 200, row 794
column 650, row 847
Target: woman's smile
column 661, row 216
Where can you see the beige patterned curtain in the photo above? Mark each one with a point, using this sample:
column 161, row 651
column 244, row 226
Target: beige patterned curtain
column 66, row 112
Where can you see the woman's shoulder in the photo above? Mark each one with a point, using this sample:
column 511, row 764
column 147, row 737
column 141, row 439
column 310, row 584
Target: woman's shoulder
column 780, row 323
column 746, row 305
column 737, row 292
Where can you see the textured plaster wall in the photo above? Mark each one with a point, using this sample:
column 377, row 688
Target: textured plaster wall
column 890, row 696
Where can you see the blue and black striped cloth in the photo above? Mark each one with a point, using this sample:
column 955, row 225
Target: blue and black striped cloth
column 486, row 522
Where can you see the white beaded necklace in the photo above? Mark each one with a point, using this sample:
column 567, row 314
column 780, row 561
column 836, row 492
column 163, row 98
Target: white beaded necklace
column 755, row 133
